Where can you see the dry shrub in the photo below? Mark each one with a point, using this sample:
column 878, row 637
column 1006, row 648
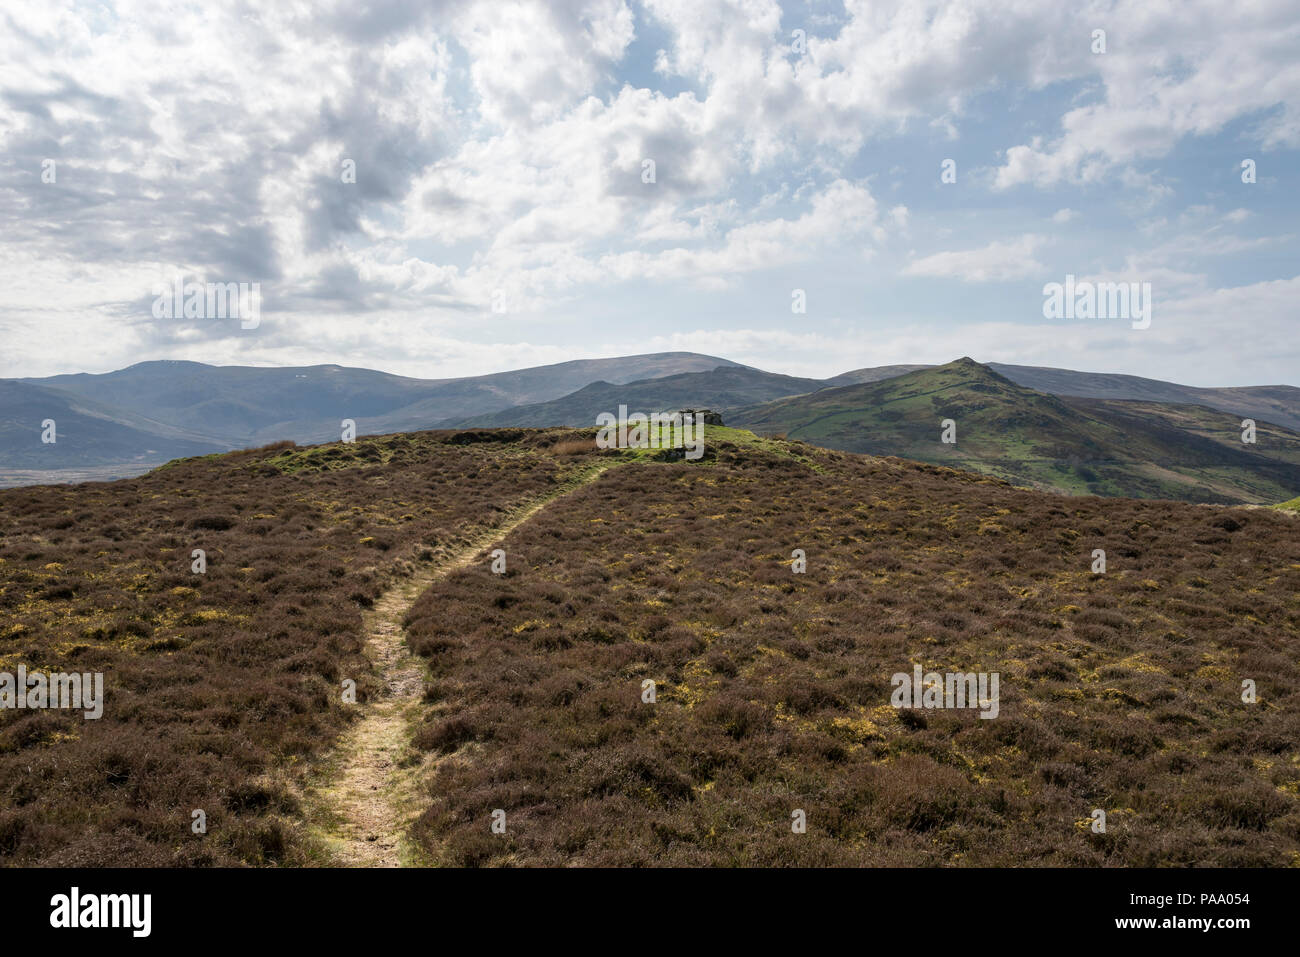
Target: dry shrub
column 1120, row 691
column 574, row 447
column 214, row 680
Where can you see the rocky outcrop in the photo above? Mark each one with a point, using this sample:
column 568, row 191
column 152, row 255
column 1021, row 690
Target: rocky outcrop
column 707, row 416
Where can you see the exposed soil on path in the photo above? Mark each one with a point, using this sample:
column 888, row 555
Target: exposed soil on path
column 364, row 810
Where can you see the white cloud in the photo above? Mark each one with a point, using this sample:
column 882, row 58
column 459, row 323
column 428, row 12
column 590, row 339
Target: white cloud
column 499, row 148
column 995, row 262
column 532, row 60
column 1171, row 71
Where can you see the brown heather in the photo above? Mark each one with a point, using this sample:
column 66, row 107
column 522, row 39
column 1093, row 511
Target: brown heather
column 218, row 687
column 1119, row 691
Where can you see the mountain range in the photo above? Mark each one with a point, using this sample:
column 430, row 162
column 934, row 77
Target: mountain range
column 1071, row 431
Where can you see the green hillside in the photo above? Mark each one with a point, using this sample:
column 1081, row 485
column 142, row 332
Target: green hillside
column 1077, row 446
column 723, row 388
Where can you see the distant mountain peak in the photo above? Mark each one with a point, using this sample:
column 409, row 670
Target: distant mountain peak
column 966, row 363
column 973, row 371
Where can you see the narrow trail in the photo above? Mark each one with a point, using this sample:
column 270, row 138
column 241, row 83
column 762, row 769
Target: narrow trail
column 363, row 812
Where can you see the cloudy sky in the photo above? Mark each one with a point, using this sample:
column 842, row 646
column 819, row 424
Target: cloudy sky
column 501, row 214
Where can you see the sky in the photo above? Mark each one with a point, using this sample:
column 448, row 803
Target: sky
column 457, row 188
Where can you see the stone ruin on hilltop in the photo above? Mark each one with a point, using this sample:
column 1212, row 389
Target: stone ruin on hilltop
column 707, row 416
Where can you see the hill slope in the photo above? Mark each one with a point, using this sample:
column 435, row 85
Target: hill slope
column 724, row 388
column 1119, row 691
column 1144, row 450
column 87, row 433
column 1279, row 404
column 873, row 374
